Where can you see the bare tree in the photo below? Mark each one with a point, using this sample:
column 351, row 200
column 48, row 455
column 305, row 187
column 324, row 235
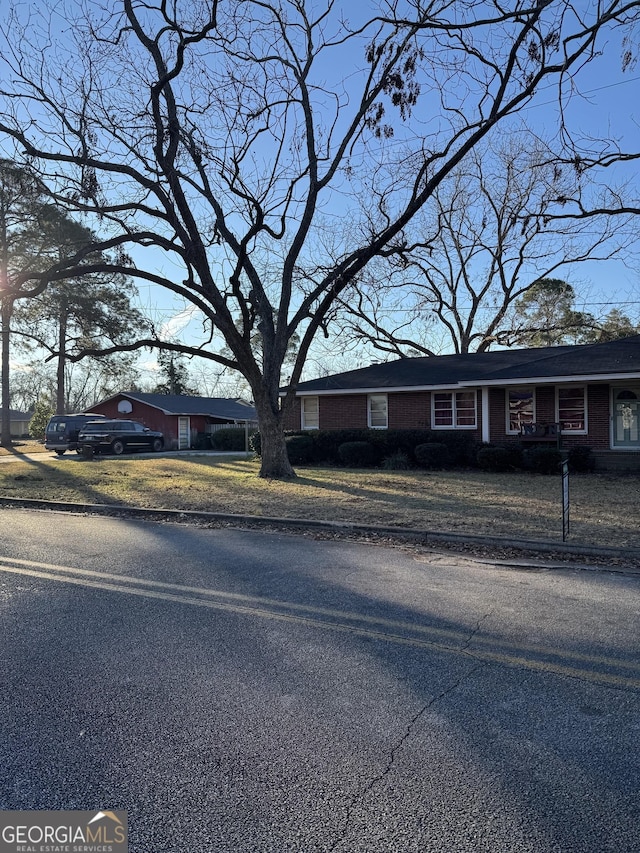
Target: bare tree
column 228, row 138
column 86, row 382
column 482, row 245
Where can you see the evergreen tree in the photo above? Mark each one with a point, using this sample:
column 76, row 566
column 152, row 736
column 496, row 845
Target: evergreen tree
column 23, row 247
column 40, row 419
column 72, row 315
column 174, row 376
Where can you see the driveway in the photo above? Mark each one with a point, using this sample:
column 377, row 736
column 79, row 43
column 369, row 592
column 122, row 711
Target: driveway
column 243, row 691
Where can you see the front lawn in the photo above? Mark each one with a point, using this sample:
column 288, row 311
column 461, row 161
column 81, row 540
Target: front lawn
column 604, row 509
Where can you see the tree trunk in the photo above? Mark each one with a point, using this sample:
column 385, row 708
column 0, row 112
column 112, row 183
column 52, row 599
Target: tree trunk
column 274, row 458
column 62, row 338
column 6, row 305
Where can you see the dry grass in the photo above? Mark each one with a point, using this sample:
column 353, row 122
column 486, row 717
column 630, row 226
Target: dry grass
column 22, row 446
column 604, row 510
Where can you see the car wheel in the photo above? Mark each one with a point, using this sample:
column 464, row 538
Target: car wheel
column 157, row 445
column 60, row 452
column 117, row 447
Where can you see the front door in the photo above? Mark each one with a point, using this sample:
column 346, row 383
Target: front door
column 626, row 418
column 184, row 433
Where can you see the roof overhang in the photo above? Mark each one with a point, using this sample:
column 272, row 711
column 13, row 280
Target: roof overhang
column 474, row 383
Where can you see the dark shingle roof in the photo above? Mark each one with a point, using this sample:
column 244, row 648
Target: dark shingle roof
column 605, row 359
column 181, row 404
column 15, row 415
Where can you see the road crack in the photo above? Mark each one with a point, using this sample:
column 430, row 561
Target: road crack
column 362, row 794
column 475, row 630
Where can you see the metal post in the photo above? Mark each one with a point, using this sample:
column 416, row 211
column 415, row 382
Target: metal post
column 565, row 500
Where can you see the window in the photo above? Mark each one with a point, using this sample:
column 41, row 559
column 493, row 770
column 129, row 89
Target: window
column 572, row 409
column 377, row 411
column 310, row 413
column 454, row 410
column 519, row 409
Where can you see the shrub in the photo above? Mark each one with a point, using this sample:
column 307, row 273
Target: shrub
column 231, row 438
column 327, row 442
column 432, row 455
column 580, row 460
column 402, row 440
column 357, row 454
column 542, row 460
column 202, row 441
column 255, row 444
column 299, row 449
column 40, row 419
column 498, row 459
column 398, row 461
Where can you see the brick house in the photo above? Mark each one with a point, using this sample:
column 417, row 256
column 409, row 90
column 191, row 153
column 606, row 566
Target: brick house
column 579, row 395
column 179, row 417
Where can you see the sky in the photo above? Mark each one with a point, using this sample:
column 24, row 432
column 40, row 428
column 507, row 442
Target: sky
column 609, row 105
column 612, row 106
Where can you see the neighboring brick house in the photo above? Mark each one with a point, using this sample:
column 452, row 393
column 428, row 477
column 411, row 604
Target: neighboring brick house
column 179, row 417
column 590, row 394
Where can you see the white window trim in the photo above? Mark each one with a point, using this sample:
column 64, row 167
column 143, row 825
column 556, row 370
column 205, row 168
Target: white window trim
column 531, row 388
column 586, row 410
column 303, row 425
column 454, row 410
column 386, row 401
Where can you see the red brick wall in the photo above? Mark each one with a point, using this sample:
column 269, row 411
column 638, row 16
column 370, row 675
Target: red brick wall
column 292, row 420
column 345, row 411
column 407, row 410
column 598, row 416
column 412, row 410
column 545, row 404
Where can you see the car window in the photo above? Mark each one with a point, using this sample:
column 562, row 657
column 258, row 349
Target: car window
column 138, row 427
column 95, row 426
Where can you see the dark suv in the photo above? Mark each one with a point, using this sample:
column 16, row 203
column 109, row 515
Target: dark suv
column 118, row 436
column 62, row 431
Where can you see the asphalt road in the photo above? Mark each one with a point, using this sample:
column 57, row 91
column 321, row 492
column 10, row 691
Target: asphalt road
column 247, row 691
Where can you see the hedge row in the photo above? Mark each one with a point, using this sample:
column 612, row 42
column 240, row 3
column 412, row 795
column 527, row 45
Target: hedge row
column 399, row 448
column 541, row 460
column 409, row 448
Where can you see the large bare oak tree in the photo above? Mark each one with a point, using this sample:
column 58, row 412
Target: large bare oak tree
column 269, row 151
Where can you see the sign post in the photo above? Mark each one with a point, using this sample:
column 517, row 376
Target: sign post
column 565, row 500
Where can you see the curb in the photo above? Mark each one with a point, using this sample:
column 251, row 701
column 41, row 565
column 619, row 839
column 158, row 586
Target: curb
column 426, row 537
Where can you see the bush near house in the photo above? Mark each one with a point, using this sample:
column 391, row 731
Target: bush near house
column 398, row 461
column 357, row 454
column 386, row 444
column 580, row 460
column 432, row 455
column 412, row 448
column 231, row 438
column 542, row 460
column 299, row 449
column 499, row 458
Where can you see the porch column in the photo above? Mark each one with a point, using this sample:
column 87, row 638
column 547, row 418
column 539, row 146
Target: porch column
column 486, row 432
